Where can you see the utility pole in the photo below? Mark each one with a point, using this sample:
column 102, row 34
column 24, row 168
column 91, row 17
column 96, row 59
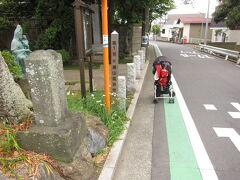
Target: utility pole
column 105, row 54
column 206, row 28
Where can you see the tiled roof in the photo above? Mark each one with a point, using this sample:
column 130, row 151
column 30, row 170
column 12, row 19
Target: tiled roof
column 174, row 17
column 193, row 20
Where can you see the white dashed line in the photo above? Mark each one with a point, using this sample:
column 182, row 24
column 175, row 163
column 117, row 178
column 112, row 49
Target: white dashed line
column 235, row 115
column 210, row 107
column 230, row 133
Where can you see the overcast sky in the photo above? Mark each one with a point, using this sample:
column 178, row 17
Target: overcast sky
column 199, row 6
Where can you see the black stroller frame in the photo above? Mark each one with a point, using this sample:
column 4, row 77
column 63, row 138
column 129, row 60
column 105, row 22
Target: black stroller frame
column 167, row 89
column 159, row 91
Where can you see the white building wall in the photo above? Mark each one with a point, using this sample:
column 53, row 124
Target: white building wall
column 168, row 32
column 234, row 36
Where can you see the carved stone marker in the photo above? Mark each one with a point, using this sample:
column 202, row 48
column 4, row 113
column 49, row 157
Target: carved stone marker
column 45, row 77
column 131, row 77
column 121, row 93
column 58, row 132
column 13, row 103
column 114, row 60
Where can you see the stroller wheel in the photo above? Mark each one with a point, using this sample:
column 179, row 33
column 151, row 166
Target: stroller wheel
column 173, row 94
column 171, row 100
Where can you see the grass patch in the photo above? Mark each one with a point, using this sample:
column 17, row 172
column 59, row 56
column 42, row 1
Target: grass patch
column 94, row 104
column 126, row 60
column 72, row 82
column 14, row 159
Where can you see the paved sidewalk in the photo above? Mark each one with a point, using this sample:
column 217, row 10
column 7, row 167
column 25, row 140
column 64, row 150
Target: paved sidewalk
column 135, row 161
column 98, row 76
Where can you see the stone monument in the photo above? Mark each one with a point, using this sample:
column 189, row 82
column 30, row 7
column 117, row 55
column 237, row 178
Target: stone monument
column 56, row 131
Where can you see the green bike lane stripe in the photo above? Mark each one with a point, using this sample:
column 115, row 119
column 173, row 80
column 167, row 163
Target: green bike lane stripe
column 183, row 164
column 191, row 156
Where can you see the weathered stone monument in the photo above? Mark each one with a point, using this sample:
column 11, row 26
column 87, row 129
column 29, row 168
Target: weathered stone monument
column 13, row 103
column 56, row 131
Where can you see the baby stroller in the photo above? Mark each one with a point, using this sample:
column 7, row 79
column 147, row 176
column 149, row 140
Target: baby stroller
column 162, row 70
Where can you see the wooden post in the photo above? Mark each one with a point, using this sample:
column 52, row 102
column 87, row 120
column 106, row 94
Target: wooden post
column 90, row 73
column 80, row 43
column 114, row 59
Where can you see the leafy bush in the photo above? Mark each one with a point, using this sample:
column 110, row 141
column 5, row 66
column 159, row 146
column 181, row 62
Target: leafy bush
column 94, row 104
column 13, row 68
column 65, row 56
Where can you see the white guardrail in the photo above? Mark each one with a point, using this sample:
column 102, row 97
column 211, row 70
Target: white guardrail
column 225, row 52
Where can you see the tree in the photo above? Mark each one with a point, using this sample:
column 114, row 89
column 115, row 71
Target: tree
column 130, row 11
column 155, row 29
column 54, row 20
column 228, row 10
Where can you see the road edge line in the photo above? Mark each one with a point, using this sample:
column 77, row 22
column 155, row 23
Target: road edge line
column 203, row 160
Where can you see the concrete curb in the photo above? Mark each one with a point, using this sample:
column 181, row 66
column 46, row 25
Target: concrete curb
column 113, row 156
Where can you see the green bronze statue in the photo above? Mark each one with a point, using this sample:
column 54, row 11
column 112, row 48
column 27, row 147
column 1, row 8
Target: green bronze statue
column 20, row 49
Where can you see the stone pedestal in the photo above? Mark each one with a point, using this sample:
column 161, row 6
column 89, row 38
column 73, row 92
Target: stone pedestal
column 61, row 142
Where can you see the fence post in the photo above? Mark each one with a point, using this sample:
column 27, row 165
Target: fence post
column 121, row 93
column 136, row 60
column 131, row 77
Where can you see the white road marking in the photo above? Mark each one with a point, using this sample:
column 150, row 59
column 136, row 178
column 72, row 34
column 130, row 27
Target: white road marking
column 230, row 133
column 236, row 105
column 210, row 107
column 194, row 54
column 235, row 115
column 204, row 163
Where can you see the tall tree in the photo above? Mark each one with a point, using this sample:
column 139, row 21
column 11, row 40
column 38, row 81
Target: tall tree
column 228, row 10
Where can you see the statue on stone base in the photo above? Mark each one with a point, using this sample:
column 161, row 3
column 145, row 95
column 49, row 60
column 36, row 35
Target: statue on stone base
column 20, row 49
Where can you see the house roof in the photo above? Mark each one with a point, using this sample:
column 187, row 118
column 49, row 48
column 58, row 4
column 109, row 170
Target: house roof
column 174, row 17
column 218, row 25
column 193, row 20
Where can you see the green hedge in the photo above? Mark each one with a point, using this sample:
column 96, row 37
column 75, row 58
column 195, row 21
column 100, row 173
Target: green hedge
column 65, row 56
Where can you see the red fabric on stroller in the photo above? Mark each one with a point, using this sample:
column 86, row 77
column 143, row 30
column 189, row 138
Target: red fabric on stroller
column 162, row 74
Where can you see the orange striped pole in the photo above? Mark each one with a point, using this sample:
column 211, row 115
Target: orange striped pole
column 105, row 54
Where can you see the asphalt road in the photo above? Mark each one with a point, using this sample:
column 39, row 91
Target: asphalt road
column 210, row 87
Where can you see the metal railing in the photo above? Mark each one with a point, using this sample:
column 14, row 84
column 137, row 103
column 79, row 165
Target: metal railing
column 225, row 52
